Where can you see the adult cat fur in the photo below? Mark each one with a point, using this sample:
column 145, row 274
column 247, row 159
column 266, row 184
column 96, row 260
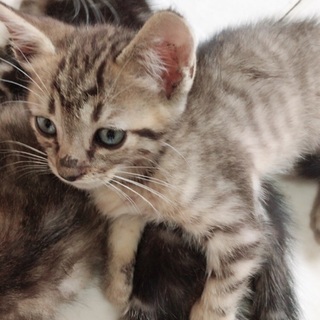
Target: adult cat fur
column 51, row 239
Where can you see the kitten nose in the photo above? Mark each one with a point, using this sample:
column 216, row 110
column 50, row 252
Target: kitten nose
column 70, row 168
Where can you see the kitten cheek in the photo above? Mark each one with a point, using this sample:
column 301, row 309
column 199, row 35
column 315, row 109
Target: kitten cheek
column 53, row 168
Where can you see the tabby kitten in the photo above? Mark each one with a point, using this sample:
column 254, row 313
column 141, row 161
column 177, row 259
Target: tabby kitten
column 53, row 242
column 47, row 250
column 169, row 272
column 60, row 231
column 132, row 119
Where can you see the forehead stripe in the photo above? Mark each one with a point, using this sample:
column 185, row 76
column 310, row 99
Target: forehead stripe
column 100, row 71
column 97, row 112
column 148, row 133
column 52, row 106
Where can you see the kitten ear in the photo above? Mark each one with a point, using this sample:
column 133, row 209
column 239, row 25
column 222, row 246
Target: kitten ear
column 165, row 49
column 25, row 38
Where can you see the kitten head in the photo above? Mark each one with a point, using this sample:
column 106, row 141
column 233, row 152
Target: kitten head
column 102, row 99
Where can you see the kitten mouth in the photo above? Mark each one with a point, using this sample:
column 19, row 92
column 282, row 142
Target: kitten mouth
column 77, row 182
column 85, row 185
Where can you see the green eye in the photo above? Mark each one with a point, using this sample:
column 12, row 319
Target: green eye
column 110, row 138
column 46, row 126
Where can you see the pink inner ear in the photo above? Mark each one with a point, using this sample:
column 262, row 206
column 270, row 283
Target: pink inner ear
column 26, row 39
column 24, row 51
column 172, row 75
column 24, row 45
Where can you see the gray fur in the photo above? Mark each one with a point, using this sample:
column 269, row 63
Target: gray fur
column 249, row 114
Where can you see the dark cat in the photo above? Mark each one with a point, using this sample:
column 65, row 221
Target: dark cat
column 130, row 13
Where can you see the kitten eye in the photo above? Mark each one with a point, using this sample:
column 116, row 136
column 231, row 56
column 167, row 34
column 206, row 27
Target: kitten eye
column 46, row 126
column 110, row 137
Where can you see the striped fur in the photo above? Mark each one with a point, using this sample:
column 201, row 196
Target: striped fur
column 219, row 133
column 171, row 272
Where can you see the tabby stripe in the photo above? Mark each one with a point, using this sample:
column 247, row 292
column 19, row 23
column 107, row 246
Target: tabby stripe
column 224, row 273
column 228, row 288
column 219, row 312
column 100, row 72
column 52, row 106
column 74, row 59
column 97, row 112
column 245, row 98
column 227, row 229
column 61, row 66
column 148, row 133
column 243, row 252
column 98, row 51
column 93, row 91
column 65, row 103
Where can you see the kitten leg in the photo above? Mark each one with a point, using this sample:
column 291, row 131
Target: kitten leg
column 315, row 217
column 123, row 239
column 232, row 258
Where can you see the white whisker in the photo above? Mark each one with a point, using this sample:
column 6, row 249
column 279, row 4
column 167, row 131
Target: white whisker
column 122, row 194
column 23, row 72
column 35, row 168
column 113, row 10
column 26, row 146
column 77, row 7
column 31, row 66
column 24, row 162
column 21, row 86
column 119, row 92
column 156, row 165
column 97, row 13
column 150, row 179
column 84, row 5
column 19, row 101
column 23, row 154
column 137, row 193
column 37, row 171
column 115, row 82
column 142, row 186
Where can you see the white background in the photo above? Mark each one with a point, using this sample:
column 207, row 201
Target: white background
column 207, row 17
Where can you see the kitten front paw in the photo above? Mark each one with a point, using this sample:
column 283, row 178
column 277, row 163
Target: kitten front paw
column 119, row 285
column 123, row 239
